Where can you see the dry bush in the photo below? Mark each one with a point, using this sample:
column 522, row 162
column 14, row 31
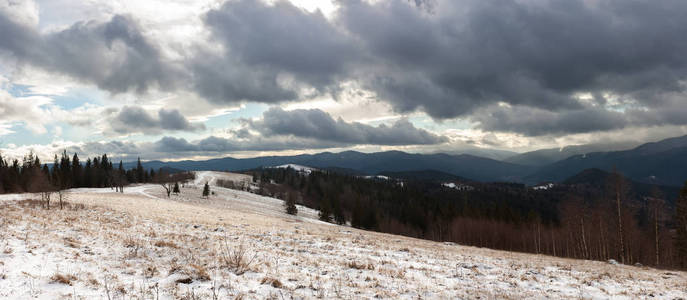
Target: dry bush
column 360, row 266
column 239, row 260
column 63, row 279
column 133, row 245
column 167, row 244
column 150, row 271
column 271, row 281
column 71, row 242
column 200, row 273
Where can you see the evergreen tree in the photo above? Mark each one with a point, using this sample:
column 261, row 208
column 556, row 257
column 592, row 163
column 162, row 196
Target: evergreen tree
column 77, row 170
column 140, row 173
column 681, row 226
column 176, row 188
column 325, row 210
column 290, row 204
column 65, row 171
column 88, row 174
column 339, row 216
column 206, row 190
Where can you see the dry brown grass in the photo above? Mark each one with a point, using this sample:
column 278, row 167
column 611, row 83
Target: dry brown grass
column 360, row 266
column 271, row 281
column 167, row 244
column 240, row 260
column 62, row 278
column 200, row 272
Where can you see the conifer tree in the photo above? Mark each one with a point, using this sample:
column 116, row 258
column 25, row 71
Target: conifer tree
column 325, row 210
column 140, row 173
column 76, row 172
column 290, row 204
column 176, row 188
column 206, row 190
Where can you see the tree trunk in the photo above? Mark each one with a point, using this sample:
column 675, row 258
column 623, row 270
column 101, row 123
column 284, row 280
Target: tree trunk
column 620, row 225
column 656, row 233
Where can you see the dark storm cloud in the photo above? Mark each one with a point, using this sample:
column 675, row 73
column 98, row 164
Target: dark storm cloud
column 132, row 119
column 263, row 42
column 468, row 54
column 453, row 58
column 446, row 58
column 114, row 54
column 534, row 121
column 317, row 124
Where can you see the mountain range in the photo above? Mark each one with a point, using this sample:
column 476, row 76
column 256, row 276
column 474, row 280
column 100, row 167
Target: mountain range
column 663, row 163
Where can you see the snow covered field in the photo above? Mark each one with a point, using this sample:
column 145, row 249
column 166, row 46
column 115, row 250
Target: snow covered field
column 141, row 245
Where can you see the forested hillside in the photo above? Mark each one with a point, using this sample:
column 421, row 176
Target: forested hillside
column 607, row 217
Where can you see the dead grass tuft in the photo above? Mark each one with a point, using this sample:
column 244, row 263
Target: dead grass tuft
column 200, row 273
column 71, row 242
column 167, row 244
column 239, row 260
column 361, row 266
column 271, row 281
column 62, row 279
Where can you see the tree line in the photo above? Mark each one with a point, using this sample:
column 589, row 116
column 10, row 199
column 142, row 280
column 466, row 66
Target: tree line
column 31, row 175
column 607, row 220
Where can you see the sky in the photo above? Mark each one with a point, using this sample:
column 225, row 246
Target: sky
column 193, row 79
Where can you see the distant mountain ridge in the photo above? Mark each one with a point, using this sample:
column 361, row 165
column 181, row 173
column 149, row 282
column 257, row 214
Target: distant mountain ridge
column 663, row 163
column 544, row 157
column 468, row 166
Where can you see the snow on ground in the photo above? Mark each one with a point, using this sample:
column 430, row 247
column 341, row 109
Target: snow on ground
column 299, row 168
column 139, row 244
column 211, row 177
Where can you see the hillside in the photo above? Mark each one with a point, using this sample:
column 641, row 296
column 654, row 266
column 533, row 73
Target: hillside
column 236, row 244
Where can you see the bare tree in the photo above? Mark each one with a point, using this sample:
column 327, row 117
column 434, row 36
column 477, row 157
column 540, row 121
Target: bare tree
column 167, row 180
column 619, row 189
column 655, row 206
column 40, row 183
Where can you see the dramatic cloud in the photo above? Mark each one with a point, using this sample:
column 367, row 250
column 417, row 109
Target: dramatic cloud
column 30, row 111
column 270, row 52
column 317, row 124
column 113, row 55
column 534, row 121
column 132, row 119
column 451, row 58
column 530, row 70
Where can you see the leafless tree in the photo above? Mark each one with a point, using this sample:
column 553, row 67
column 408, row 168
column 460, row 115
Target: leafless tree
column 167, row 180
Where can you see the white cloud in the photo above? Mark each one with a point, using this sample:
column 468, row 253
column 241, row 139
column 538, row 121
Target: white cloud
column 32, row 111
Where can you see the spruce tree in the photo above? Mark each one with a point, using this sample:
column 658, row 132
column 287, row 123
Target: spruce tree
column 76, row 172
column 325, row 210
column 206, row 190
column 140, row 173
column 290, row 204
column 175, row 190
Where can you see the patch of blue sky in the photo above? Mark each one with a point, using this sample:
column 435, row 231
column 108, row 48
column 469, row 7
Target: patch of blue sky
column 18, row 90
column 21, row 136
column 78, row 97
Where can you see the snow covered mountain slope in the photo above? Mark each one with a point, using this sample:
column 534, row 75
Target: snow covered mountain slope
column 140, row 244
column 299, row 168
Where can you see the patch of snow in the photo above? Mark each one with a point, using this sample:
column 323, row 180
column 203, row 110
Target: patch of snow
column 298, row 168
column 543, row 187
column 458, row 186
